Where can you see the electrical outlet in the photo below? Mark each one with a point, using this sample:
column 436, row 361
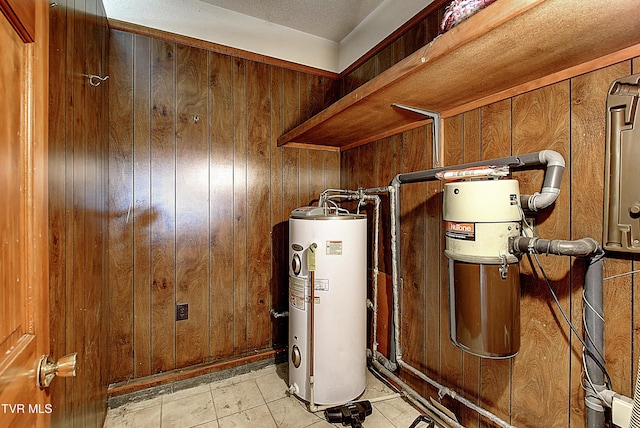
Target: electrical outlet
column 182, row 311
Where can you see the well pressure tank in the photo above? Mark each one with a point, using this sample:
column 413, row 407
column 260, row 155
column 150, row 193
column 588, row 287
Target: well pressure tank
column 340, row 311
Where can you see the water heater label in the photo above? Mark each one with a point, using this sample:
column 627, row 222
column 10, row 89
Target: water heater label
column 322, row 284
column 297, row 292
column 463, row 231
column 334, row 248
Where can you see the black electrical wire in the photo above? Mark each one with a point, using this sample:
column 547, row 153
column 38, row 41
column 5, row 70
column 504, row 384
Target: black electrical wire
column 595, row 358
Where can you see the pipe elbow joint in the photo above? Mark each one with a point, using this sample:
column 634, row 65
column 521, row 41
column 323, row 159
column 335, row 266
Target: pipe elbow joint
column 551, row 188
column 540, row 201
column 385, row 362
column 551, row 158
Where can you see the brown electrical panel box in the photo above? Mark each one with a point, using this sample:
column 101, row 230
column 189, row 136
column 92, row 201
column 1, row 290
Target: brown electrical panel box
column 622, row 167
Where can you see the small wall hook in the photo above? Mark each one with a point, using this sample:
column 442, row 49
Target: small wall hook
column 95, row 80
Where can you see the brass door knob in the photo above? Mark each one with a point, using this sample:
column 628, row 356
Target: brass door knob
column 48, row 368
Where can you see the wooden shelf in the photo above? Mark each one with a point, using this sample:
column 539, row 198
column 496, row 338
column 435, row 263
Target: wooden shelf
column 511, row 47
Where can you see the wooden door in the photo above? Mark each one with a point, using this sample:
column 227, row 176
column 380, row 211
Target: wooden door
column 24, row 311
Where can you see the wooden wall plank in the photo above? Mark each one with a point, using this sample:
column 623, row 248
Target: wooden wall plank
column 432, row 253
column 258, row 197
column 57, row 213
column 567, row 117
column 69, row 236
column 143, row 212
column 279, row 225
column 413, row 264
column 451, row 368
column 472, row 146
column 587, row 199
column 93, row 219
column 80, row 122
column 78, row 186
column 221, row 205
column 291, row 117
column 495, row 386
column 317, row 181
column 240, row 146
column 292, row 99
column 388, row 165
column 252, row 187
column 120, row 233
column 163, row 118
column 541, row 121
column 304, row 177
column 192, row 204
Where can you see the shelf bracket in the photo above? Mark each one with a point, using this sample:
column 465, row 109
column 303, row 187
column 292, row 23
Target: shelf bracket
column 436, row 128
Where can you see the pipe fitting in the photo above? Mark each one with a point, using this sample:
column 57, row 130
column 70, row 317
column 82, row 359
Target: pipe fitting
column 584, row 247
column 277, row 315
column 592, row 398
column 553, row 177
column 551, row 158
column 381, row 359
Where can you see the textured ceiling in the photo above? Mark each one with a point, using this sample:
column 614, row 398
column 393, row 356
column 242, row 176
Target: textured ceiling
column 329, row 19
column 325, row 34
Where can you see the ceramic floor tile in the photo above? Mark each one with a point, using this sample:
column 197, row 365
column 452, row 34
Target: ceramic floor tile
column 273, row 386
column 210, row 424
column 257, row 417
column 235, row 398
column 255, row 399
column 324, row 424
column 377, row 420
column 144, row 418
column 398, row 411
column 188, row 411
column 291, row 413
column 186, row 393
column 375, row 387
column 244, row 377
column 134, row 406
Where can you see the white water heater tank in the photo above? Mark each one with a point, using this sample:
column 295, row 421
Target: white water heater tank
column 340, row 310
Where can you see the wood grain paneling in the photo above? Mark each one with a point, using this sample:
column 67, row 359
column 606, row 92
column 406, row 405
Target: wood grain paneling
column 78, row 209
column 541, row 386
column 258, row 195
column 192, row 204
column 240, row 144
column 193, row 153
column 587, row 198
column 415, row 157
column 253, row 185
column 120, row 184
column 495, row 379
column 451, row 368
column 472, row 145
column 414, row 35
column 143, row 212
column 541, row 121
column 163, row 197
column 221, row 206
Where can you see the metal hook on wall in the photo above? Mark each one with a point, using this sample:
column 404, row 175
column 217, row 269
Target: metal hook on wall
column 95, row 80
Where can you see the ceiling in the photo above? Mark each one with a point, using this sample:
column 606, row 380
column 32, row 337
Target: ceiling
column 324, row 34
column 329, row 19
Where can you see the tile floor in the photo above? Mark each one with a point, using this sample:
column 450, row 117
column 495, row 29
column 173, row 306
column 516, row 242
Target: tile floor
column 256, row 400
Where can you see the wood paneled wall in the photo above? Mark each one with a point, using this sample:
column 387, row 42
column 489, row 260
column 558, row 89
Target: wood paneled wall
column 411, row 37
column 199, row 195
column 78, row 208
column 541, row 386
